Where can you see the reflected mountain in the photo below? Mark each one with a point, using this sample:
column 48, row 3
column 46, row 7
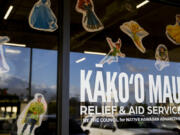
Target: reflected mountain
column 18, row 86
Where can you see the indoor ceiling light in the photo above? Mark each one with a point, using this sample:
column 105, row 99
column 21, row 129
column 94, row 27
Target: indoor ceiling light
column 8, row 12
column 142, row 4
column 99, row 65
column 14, row 44
column 81, row 60
column 96, row 53
column 12, row 51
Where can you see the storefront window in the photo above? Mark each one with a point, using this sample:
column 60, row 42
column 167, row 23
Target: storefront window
column 29, row 41
column 44, row 81
column 14, row 88
column 14, row 85
column 124, row 77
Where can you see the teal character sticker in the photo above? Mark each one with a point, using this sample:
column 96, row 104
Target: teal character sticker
column 115, row 51
column 31, row 117
column 42, row 17
column 162, row 58
column 3, row 64
column 90, row 21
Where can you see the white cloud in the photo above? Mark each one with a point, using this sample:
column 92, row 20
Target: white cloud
column 136, row 69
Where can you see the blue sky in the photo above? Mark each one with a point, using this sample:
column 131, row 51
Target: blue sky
column 127, row 65
column 44, row 70
column 44, row 67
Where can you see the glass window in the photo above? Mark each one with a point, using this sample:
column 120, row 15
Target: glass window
column 108, row 123
column 16, row 81
column 44, row 81
column 28, row 67
column 132, row 63
column 96, row 123
column 14, row 84
column 86, row 121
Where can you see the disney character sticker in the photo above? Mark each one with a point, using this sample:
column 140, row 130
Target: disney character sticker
column 31, row 117
column 3, row 64
column 90, row 21
column 162, row 58
column 115, row 51
column 42, row 17
column 173, row 31
column 136, row 32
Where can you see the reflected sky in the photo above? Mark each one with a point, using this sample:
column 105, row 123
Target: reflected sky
column 127, row 65
column 44, row 70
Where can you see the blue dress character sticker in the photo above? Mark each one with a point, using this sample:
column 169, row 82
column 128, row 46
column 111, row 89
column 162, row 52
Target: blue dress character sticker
column 42, row 17
column 3, row 64
column 90, row 21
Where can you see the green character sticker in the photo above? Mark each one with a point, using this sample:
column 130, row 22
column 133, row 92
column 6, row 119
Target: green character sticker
column 114, row 53
column 31, row 117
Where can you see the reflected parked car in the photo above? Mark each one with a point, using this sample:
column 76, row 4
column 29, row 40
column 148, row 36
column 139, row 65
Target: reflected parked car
column 75, row 128
column 171, row 125
column 110, row 125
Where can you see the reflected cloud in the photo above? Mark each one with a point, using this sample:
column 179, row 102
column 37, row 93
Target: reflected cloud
column 18, row 86
column 74, row 91
column 136, row 69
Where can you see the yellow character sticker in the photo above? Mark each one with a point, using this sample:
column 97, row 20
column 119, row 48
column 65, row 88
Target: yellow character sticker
column 136, row 33
column 173, row 31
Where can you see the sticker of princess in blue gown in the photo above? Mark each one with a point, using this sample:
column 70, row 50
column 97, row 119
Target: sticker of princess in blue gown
column 113, row 54
column 3, row 64
column 162, row 58
column 90, row 21
column 42, row 17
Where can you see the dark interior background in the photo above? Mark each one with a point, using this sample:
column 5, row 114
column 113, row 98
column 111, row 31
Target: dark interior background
column 153, row 17
column 18, row 29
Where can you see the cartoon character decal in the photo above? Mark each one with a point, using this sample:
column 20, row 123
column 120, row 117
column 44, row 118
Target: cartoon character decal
column 90, row 21
column 162, row 58
column 31, row 117
column 173, row 31
column 3, row 64
column 136, row 32
column 42, row 17
column 115, row 51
